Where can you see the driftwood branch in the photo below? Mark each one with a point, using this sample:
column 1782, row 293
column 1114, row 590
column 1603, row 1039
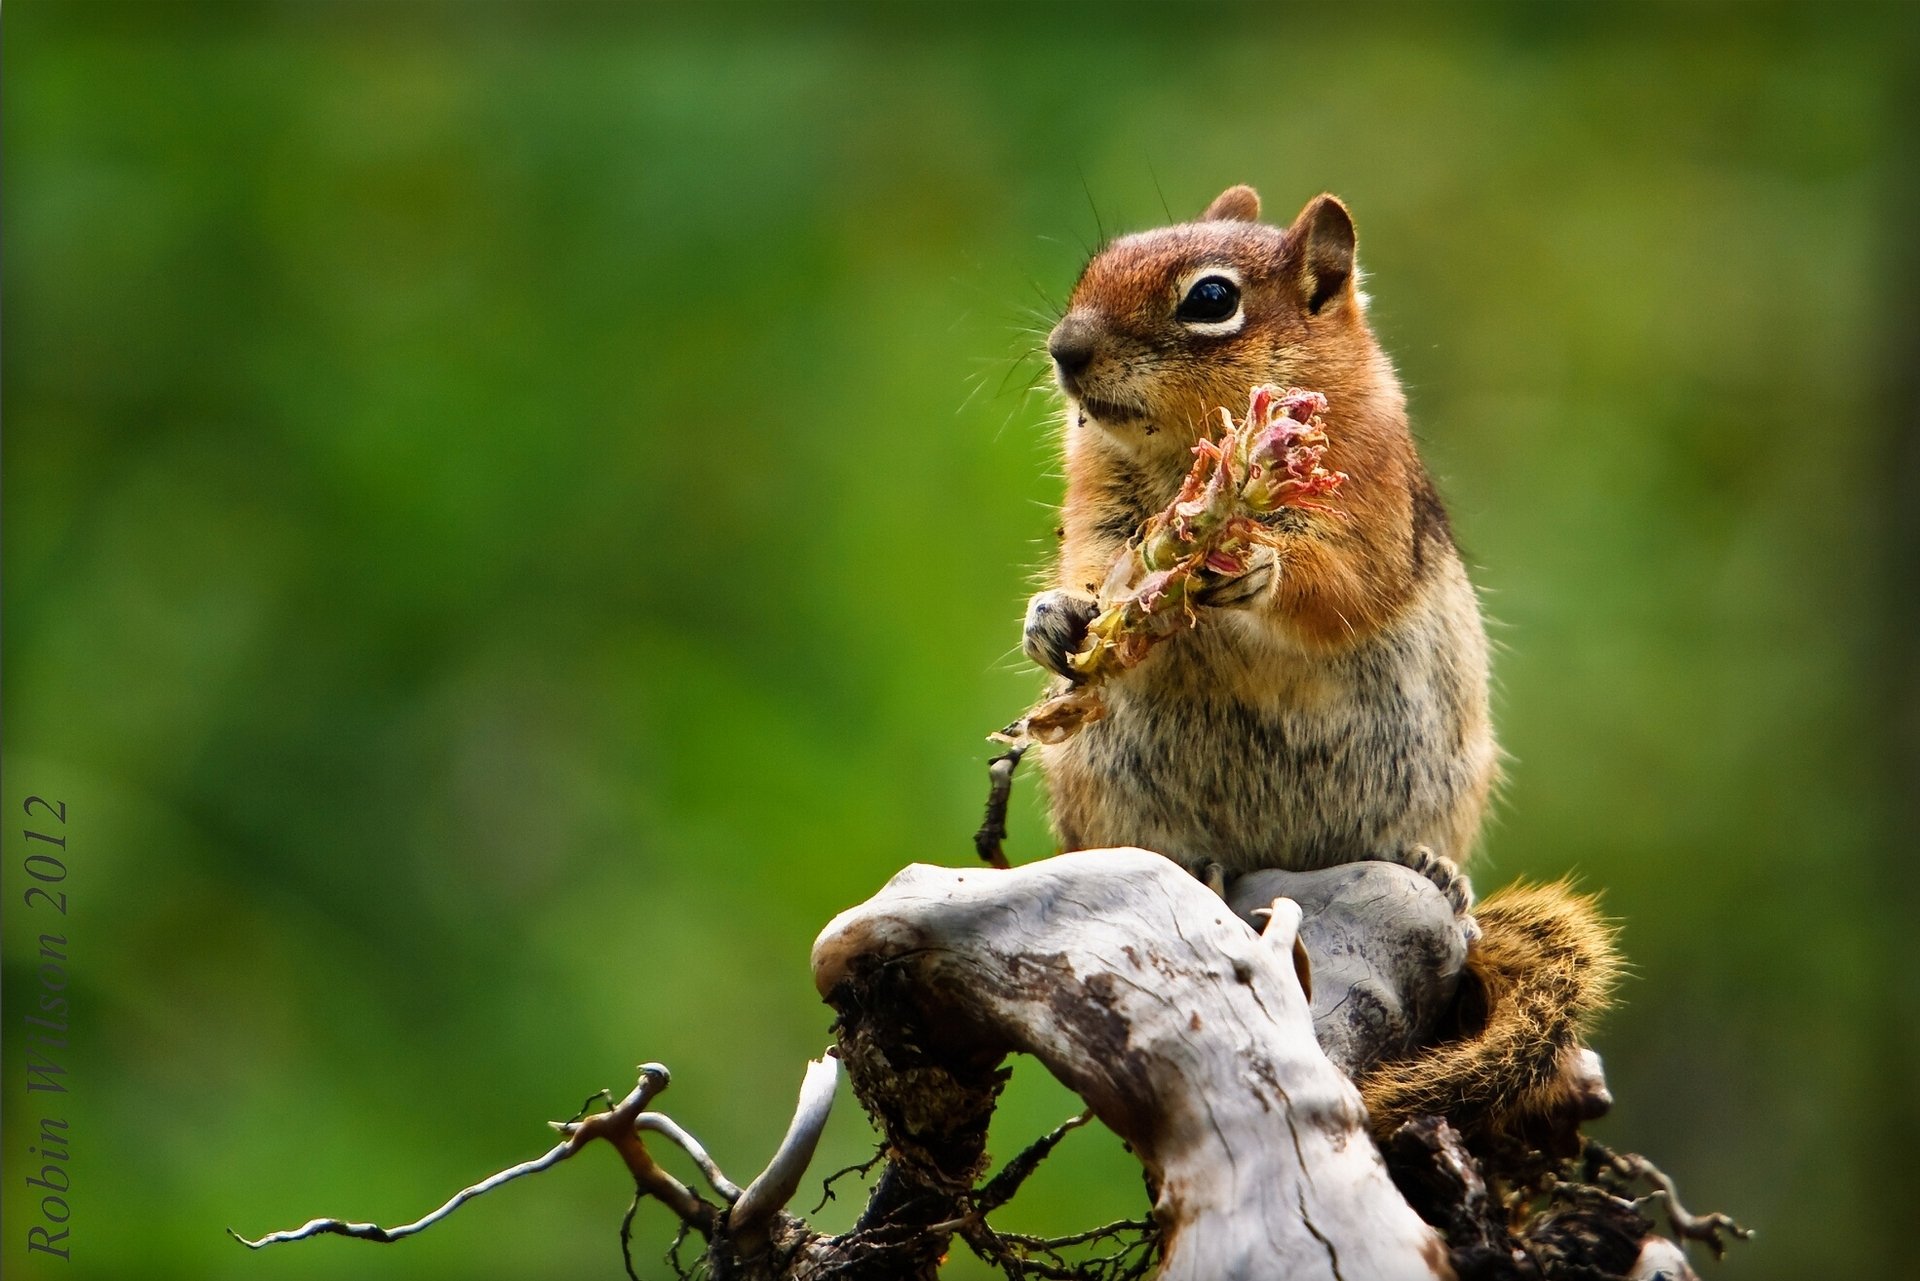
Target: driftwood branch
column 665, row 1126
column 653, row 1079
column 1218, row 1038
column 1186, row 1033
column 767, row 1195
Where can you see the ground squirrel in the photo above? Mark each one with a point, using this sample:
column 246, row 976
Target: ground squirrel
column 1330, row 705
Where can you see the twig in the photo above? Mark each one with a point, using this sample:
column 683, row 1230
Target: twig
column 673, row 1254
column 1002, row 1186
column 616, row 1125
column 1023, row 1256
column 626, row 1236
column 826, row 1184
column 603, row 1097
column 665, row 1126
column 775, row 1186
column 990, row 840
column 619, row 1128
column 1019, row 1255
column 374, row 1232
column 1705, row 1228
column 992, row 1248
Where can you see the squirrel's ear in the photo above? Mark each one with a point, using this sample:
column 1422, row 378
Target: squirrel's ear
column 1235, row 204
column 1321, row 239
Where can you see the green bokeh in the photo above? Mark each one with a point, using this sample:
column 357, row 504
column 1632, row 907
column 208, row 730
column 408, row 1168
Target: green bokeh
column 515, row 516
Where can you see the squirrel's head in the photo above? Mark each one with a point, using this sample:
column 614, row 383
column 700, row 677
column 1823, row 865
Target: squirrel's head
column 1167, row 326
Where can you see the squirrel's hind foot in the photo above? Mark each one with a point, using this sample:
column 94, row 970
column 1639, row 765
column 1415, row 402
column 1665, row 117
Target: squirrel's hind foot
column 1447, row 878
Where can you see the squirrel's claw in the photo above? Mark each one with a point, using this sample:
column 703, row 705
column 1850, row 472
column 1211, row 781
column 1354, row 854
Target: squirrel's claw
column 1450, row 881
column 1445, row 874
column 1240, row 589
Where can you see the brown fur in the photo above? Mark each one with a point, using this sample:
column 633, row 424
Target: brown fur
column 1341, row 712
column 1337, row 710
column 1544, row 967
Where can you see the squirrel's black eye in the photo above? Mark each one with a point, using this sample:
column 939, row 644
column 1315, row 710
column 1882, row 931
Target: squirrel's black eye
column 1211, row 298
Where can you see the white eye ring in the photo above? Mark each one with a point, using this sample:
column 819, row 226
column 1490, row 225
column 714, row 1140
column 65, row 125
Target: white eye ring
column 1215, row 328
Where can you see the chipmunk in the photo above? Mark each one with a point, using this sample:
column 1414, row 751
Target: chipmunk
column 1330, row 704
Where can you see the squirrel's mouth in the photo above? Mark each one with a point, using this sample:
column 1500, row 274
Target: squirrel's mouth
column 1111, row 412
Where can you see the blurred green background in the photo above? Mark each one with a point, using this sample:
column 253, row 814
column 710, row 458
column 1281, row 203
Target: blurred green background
column 514, row 516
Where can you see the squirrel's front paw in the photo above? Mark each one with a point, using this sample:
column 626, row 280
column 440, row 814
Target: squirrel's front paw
column 1056, row 627
column 1224, row 592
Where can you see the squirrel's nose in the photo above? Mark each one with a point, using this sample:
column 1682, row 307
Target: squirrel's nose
column 1071, row 344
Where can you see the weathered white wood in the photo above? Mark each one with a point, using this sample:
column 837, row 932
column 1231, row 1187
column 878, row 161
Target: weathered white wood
column 769, row 1193
column 1387, row 953
column 1186, row 1032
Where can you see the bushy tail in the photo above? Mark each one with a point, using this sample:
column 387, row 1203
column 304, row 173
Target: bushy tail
column 1545, row 965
